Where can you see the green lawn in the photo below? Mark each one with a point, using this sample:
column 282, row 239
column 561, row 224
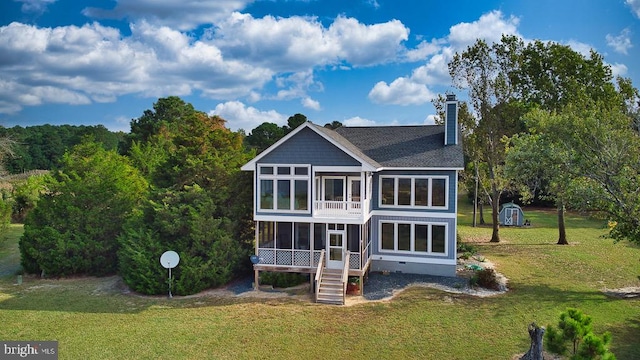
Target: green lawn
column 93, row 319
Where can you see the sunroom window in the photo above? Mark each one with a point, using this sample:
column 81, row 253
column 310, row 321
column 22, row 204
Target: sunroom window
column 284, row 188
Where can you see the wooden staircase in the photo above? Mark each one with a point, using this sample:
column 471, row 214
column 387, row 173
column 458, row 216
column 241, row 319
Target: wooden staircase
column 331, row 288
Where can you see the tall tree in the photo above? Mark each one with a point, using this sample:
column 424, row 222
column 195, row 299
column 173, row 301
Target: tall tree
column 264, row 135
column 295, row 121
column 73, row 228
column 200, row 203
column 484, row 71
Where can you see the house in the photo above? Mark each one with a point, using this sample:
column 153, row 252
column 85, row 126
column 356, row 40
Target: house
column 511, row 215
column 339, row 203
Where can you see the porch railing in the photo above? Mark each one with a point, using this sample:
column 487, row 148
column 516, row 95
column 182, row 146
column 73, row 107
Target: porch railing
column 319, row 270
column 345, row 276
column 310, row 258
column 352, row 209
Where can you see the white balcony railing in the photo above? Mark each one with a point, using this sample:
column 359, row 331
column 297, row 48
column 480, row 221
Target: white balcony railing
column 349, row 209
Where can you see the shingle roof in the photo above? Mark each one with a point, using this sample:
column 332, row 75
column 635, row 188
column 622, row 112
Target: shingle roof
column 401, row 146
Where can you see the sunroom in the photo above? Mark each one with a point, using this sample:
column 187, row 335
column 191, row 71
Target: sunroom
column 337, row 193
column 298, row 246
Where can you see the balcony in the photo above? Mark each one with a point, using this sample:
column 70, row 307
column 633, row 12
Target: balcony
column 337, row 209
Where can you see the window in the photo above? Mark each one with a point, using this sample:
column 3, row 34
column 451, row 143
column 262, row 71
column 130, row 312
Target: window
column 266, row 232
column 417, row 191
column 388, row 236
column 284, row 188
column 284, row 194
column 319, row 236
column 404, row 191
column 421, row 194
column 413, row 237
column 438, row 192
column 404, row 237
column 334, row 189
column 283, row 235
column 302, row 236
column 437, row 239
column 388, row 191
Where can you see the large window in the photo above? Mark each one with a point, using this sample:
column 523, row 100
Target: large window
column 287, row 235
column 284, row 188
column 413, row 237
column 416, row 191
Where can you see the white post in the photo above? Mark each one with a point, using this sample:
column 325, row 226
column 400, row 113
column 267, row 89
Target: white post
column 170, row 296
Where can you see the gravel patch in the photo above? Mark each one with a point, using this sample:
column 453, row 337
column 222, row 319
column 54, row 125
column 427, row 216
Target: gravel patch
column 381, row 286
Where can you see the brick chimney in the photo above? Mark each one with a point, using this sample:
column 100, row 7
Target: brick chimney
column 451, row 120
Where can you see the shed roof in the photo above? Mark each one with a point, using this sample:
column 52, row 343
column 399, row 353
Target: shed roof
column 511, row 205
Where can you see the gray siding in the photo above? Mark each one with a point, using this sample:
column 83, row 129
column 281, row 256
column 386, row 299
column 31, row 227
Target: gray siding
column 452, row 174
column 307, row 147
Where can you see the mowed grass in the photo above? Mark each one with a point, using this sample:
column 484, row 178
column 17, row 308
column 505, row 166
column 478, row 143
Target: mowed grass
column 94, row 319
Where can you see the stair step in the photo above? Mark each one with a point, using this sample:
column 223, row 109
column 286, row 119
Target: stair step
column 330, row 300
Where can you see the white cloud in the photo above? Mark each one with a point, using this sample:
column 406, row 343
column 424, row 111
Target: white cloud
column 297, row 43
column 415, row 89
column 635, row 7
column 180, row 14
column 309, row 103
column 424, row 50
column 34, row 6
column 122, row 123
column 240, row 116
column 431, row 119
column 582, row 48
column 358, row 121
column 490, row 27
column 618, row 69
column 94, row 62
column 402, row 91
column 363, row 45
column 620, row 43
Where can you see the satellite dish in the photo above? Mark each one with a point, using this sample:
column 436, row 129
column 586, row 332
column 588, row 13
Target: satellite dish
column 169, row 259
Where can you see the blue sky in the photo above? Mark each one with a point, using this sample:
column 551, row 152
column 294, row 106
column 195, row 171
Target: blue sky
column 360, row 62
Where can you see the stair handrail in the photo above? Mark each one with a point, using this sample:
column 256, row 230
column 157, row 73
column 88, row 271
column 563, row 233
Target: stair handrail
column 319, row 273
column 345, row 275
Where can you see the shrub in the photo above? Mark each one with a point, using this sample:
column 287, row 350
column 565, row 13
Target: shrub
column 464, row 248
column 485, row 278
column 282, row 279
column 575, row 328
column 73, row 229
column 182, row 221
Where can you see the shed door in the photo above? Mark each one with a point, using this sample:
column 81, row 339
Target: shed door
column 508, row 217
column 514, row 216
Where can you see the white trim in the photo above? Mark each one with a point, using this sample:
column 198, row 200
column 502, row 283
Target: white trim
column 338, row 169
column 251, row 165
column 422, row 213
column 417, row 260
column 421, row 168
column 411, row 205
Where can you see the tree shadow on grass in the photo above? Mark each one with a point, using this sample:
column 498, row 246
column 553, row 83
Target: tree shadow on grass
column 624, row 343
column 110, row 295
